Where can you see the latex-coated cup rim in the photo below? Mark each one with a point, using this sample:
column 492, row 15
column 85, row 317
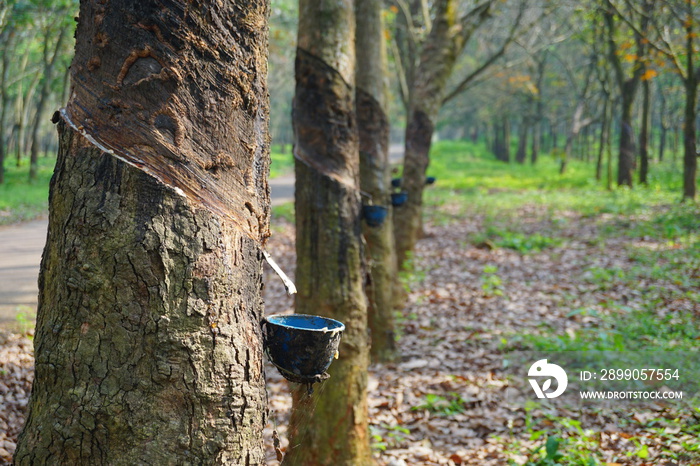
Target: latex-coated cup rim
column 338, row 326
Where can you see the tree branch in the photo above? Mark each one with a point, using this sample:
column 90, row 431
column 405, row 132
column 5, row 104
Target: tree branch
column 462, row 86
column 669, row 53
column 400, row 72
column 474, row 18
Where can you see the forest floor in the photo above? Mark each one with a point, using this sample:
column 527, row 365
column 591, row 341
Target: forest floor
column 508, row 272
column 472, row 302
column 487, row 286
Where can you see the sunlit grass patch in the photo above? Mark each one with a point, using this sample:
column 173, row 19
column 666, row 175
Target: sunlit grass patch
column 523, row 243
column 284, row 211
column 21, row 200
column 281, row 161
column 469, row 175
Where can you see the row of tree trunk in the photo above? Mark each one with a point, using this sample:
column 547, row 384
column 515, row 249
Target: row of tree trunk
column 29, row 106
column 148, row 343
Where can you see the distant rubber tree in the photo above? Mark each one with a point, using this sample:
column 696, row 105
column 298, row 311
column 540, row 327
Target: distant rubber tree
column 50, row 54
column 7, row 37
column 148, row 344
column 329, row 274
column 426, row 91
column 681, row 52
column 373, row 128
column 628, row 80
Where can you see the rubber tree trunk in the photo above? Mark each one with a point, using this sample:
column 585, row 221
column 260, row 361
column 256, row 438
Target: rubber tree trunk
column 4, row 96
column 662, row 141
column 677, row 130
column 499, row 145
column 504, row 153
column 604, row 135
column 538, row 107
column 663, row 123
column 373, row 130
column 644, row 133
column 690, row 154
column 445, row 42
column 690, row 148
column 628, row 84
column 49, row 65
column 23, row 97
column 523, row 132
column 330, row 426
column 626, row 159
column 496, row 139
column 535, row 144
column 609, row 152
column 148, row 344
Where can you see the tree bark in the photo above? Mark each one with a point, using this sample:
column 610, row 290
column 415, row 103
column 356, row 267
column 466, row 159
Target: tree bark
column 538, row 107
column 535, row 144
column 148, row 344
column 626, row 160
column 608, row 151
column 373, row 130
column 644, row 133
column 664, row 125
column 677, row 130
column 604, row 135
column 506, row 139
column 503, row 146
column 330, row 276
column 496, row 142
column 523, row 132
column 690, row 150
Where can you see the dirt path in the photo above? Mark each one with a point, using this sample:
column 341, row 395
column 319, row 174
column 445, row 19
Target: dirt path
column 20, row 254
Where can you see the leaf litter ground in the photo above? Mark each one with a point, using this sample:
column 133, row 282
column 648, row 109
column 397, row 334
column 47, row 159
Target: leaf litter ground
column 446, row 400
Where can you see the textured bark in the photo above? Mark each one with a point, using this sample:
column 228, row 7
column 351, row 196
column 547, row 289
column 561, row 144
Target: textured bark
column 148, row 344
column 373, row 130
column 329, row 274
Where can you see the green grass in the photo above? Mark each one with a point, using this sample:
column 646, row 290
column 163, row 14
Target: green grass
column 281, row 163
column 21, row 200
column 285, row 211
column 448, row 405
column 467, row 171
column 470, row 177
column 503, row 238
